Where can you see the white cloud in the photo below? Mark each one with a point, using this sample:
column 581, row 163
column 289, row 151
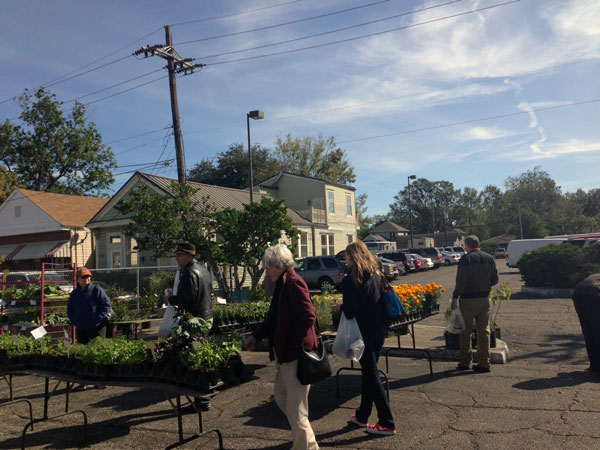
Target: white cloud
column 483, row 133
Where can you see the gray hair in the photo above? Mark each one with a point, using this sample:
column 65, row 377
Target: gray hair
column 278, row 256
column 472, row 241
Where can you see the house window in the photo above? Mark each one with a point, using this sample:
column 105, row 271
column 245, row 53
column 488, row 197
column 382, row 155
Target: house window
column 327, row 247
column 350, row 238
column 349, row 204
column 115, row 239
column 331, row 202
column 303, row 244
column 116, row 260
column 18, row 211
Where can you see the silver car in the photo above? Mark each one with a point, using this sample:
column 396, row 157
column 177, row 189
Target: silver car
column 321, row 272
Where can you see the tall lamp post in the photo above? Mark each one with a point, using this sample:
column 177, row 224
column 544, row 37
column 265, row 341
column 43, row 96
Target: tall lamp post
column 256, row 115
column 410, row 177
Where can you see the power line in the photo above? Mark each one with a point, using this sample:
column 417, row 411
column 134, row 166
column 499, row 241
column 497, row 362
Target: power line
column 234, row 14
column 268, row 27
column 342, row 29
column 114, row 85
column 138, row 135
column 481, row 119
column 144, row 144
column 146, row 164
column 126, row 90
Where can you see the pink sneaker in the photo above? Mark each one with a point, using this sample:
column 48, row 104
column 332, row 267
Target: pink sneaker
column 357, row 422
column 378, row 429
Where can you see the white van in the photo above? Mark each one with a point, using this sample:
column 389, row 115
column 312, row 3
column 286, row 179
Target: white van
column 517, row 247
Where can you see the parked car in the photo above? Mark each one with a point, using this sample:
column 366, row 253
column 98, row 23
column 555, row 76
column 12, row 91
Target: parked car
column 461, row 251
column 391, row 269
column 416, row 259
column 430, row 252
column 321, row 272
column 500, row 252
column 25, row 279
column 426, row 263
column 399, row 256
column 450, row 258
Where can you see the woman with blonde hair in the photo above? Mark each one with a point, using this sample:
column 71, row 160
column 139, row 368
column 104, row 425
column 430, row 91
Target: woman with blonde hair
column 289, row 326
column 362, row 292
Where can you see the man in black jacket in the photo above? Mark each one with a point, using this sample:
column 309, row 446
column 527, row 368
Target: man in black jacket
column 475, row 277
column 194, row 289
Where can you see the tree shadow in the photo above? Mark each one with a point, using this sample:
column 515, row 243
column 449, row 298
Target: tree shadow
column 564, row 379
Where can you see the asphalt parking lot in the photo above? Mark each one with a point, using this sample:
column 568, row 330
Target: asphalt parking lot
column 542, row 398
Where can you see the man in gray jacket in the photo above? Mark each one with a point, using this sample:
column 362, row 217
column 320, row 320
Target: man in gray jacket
column 475, row 277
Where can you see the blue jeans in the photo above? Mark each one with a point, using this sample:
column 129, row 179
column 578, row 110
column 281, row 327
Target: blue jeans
column 372, row 390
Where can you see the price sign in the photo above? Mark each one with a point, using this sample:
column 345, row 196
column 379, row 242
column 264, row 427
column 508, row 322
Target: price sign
column 39, row 332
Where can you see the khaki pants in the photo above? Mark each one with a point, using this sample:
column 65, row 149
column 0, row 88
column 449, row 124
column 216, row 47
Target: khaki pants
column 478, row 309
column 292, row 399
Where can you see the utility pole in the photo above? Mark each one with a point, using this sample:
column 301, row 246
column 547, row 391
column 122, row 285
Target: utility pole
column 175, row 65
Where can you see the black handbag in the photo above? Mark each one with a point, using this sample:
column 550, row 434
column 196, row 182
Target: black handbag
column 313, row 366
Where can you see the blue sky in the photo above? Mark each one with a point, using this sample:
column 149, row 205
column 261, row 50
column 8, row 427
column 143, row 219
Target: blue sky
column 463, row 91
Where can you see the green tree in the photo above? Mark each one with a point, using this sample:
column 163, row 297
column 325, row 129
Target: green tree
column 364, row 221
column 53, row 152
column 245, row 235
column 160, row 221
column 429, row 201
column 314, row 157
column 8, row 182
column 231, row 168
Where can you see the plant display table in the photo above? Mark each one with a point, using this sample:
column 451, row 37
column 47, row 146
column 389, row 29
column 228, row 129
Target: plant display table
column 194, row 395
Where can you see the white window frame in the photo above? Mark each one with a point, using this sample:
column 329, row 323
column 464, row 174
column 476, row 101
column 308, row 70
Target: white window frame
column 331, row 201
column 303, row 246
column 328, row 248
column 349, row 205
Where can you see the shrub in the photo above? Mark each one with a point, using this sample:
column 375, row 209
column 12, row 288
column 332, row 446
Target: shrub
column 559, row 266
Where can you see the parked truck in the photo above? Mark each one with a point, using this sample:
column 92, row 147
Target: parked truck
column 518, row 247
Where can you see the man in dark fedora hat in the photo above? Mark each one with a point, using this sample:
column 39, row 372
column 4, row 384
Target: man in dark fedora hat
column 192, row 292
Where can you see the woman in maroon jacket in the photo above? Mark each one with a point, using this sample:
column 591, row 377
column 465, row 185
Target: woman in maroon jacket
column 289, row 325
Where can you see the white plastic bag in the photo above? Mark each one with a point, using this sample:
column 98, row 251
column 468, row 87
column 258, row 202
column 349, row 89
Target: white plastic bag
column 348, row 342
column 456, row 322
column 167, row 323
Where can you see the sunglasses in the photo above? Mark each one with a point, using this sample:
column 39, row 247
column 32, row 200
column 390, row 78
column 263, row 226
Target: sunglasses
column 86, row 276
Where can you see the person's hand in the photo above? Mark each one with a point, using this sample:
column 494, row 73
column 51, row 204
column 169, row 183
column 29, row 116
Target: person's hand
column 250, row 343
column 454, row 304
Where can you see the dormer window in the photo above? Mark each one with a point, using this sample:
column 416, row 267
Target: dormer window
column 18, row 211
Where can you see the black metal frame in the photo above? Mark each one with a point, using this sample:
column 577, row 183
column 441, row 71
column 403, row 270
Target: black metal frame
column 194, row 397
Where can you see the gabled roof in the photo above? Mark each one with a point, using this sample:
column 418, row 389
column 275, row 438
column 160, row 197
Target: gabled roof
column 270, row 182
column 387, row 227
column 68, row 210
column 502, row 238
column 221, row 197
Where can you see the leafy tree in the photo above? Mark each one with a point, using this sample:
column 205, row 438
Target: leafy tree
column 314, row 157
column 8, row 182
column 160, row 221
column 53, row 152
column 231, row 167
column 429, row 201
column 364, row 222
column 533, row 190
column 245, row 235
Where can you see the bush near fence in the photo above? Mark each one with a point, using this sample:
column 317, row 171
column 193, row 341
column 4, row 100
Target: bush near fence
column 559, row 266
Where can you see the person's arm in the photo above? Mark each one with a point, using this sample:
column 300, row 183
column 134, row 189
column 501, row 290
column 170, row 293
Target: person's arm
column 494, row 274
column 71, row 307
column 103, row 303
column 187, row 291
column 302, row 309
column 350, row 297
column 461, row 281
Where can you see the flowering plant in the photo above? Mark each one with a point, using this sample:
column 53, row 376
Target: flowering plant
column 323, row 304
column 417, row 298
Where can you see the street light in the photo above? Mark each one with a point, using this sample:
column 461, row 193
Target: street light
column 410, row 177
column 256, row 115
